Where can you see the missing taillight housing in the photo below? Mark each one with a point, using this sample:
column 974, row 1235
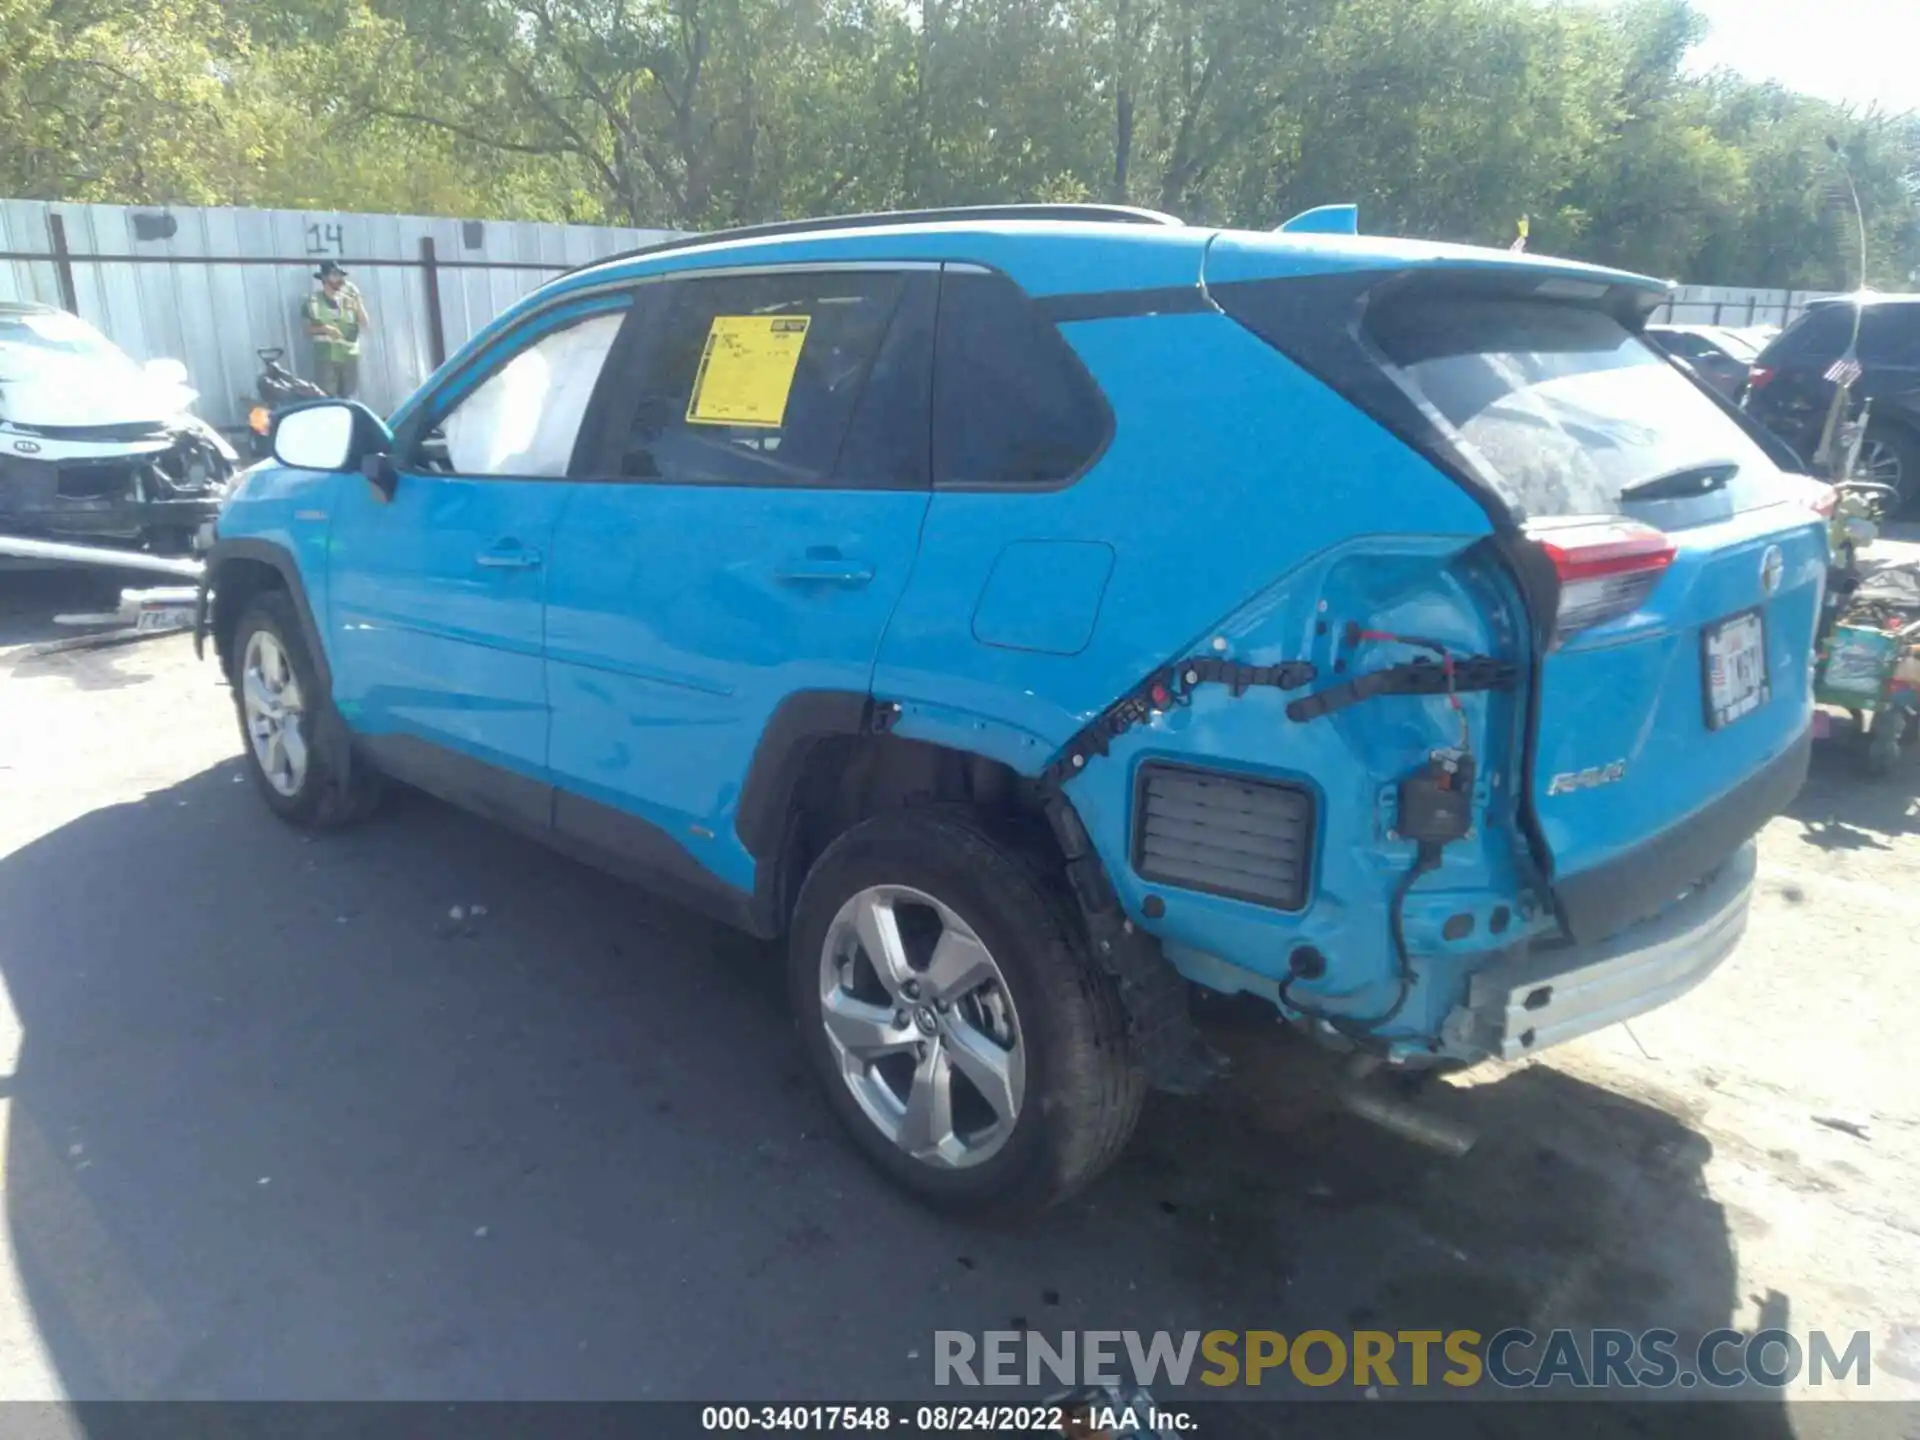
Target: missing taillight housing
column 1605, row 569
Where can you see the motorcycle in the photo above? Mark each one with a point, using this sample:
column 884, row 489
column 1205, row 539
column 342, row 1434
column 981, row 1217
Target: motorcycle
column 277, row 388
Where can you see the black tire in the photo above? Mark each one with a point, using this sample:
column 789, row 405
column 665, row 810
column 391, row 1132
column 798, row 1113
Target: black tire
column 1083, row 1089
column 335, row 790
column 1905, row 447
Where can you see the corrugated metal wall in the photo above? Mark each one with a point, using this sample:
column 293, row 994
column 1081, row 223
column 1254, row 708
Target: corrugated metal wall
column 211, row 287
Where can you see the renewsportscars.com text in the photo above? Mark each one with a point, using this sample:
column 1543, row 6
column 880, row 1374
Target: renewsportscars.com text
column 1513, row 1359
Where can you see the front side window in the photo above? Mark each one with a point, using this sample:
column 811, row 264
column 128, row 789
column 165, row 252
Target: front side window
column 524, row 418
column 796, row 379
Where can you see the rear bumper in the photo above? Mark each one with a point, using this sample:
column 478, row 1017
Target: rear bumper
column 1610, row 898
column 1516, row 1007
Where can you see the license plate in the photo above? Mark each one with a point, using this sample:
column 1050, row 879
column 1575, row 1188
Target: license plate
column 1733, row 663
column 170, row 617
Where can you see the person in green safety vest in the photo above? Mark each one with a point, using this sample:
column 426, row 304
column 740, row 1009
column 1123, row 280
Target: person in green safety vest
column 336, row 316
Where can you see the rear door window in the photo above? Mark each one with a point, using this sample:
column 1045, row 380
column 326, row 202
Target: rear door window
column 816, row 378
column 1560, row 407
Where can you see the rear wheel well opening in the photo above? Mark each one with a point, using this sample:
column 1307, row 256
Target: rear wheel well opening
column 233, row 586
column 842, row 780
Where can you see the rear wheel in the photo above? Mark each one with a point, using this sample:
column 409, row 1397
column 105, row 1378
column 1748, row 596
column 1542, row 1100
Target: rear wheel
column 294, row 751
column 945, row 999
column 1890, row 455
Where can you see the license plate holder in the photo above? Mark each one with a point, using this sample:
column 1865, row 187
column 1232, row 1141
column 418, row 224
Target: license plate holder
column 1733, row 668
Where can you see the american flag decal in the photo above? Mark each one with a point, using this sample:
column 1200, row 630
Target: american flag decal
column 1844, row 371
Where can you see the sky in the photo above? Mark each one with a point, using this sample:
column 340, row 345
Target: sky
column 1857, row 52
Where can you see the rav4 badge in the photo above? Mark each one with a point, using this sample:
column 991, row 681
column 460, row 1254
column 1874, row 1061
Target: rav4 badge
column 1594, row 776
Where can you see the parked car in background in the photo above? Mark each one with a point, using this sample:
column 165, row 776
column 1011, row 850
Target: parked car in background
column 1032, row 612
column 95, row 448
column 1719, row 356
column 1790, row 388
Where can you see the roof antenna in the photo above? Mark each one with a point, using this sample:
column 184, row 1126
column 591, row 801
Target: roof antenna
column 1845, row 371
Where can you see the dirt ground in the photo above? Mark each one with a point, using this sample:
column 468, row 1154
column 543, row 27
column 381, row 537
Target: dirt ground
column 277, row 1126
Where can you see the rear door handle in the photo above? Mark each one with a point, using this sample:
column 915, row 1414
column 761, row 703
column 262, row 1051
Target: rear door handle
column 507, row 555
column 824, row 568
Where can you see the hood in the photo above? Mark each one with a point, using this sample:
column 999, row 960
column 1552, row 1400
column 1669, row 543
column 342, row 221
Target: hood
column 61, row 392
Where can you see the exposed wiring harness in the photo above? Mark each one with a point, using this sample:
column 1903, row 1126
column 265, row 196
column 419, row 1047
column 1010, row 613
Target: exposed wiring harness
column 1435, row 809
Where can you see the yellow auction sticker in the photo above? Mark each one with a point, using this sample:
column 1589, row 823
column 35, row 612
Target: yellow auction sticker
column 747, row 369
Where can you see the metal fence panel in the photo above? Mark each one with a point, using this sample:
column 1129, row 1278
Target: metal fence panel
column 1733, row 305
column 212, row 287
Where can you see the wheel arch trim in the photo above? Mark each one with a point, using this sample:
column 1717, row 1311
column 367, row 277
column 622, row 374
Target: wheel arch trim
column 277, row 558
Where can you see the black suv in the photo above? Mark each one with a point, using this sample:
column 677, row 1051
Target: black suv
column 1789, row 389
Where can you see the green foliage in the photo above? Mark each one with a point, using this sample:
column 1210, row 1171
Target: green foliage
column 1442, row 118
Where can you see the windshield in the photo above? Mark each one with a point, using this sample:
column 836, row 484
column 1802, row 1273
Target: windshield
column 55, row 333
column 1560, row 406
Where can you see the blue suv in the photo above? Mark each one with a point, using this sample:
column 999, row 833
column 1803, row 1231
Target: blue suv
column 1034, row 613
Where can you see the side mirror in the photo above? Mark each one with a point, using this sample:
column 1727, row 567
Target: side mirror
column 337, row 435
column 166, row 372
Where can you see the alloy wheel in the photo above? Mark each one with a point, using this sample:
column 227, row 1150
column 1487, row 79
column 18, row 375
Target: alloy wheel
column 1880, row 463
column 922, row 1024
column 270, row 698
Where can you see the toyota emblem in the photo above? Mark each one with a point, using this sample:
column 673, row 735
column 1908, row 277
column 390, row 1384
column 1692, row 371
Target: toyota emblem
column 1773, row 565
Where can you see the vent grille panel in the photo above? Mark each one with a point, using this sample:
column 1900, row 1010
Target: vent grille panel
column 1223, row 834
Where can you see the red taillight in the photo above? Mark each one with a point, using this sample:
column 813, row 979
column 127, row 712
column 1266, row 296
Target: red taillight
column 1606, row 570
column 1759, row 377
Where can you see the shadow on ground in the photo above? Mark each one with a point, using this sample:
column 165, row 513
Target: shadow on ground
column 29, row 599
column 1842, row 807
column 283, row 1127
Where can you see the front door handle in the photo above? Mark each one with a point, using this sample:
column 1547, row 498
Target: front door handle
column 507, row 555
column 824, row 567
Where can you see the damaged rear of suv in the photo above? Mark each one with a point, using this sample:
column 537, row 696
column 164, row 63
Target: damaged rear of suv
column 95, row 448
column 1032, row 614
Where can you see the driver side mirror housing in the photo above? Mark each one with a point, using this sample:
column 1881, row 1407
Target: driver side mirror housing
column 341, row 436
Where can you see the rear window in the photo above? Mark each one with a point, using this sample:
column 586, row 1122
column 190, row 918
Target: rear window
column 1823, row 331
column 1559, row 407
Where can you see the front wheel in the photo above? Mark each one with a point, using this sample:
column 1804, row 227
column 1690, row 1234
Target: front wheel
column 948, row 1005
column 284, row 712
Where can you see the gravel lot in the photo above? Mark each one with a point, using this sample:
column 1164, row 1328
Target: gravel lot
column 276, row 1126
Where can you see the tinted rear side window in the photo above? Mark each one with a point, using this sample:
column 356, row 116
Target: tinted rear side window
column 756, row 380
column 1559, row 407
column 1821, row 332
column 1890, row 335
column 1013, row 408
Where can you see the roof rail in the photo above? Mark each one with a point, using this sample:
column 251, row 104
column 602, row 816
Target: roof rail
column 1091, row 214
